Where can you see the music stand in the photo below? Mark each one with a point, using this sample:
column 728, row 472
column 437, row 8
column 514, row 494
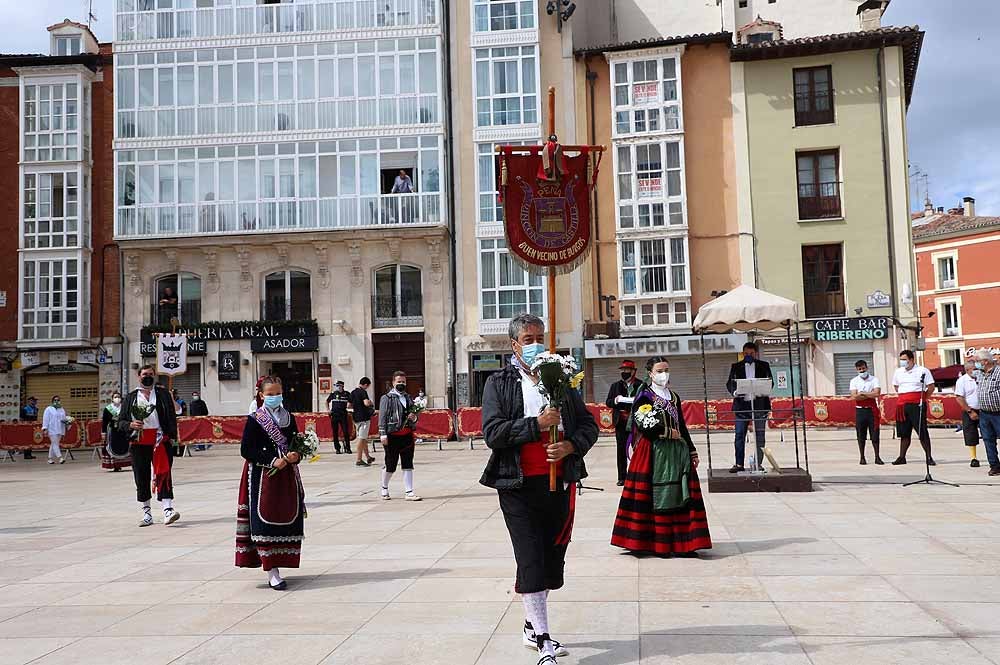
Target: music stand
column 751, row 389
column 927, row 479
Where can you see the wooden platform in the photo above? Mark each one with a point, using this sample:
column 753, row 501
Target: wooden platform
column 789, row 480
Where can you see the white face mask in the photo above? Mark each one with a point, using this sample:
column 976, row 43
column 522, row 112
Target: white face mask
column 660, row 379
column 904, row 363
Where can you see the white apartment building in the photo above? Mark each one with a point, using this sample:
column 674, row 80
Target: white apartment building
column 280, row 190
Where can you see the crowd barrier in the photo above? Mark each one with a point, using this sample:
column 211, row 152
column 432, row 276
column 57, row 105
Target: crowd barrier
column 466, row 423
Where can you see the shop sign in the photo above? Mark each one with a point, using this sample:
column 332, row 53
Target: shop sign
column 486, row 364
column 878, row 300
column 779, row 341
column 195, row 347
column 855, row 329
column 284, row 344
column 324, row 370
column 58, row 357
column 199, row 336
column 971, row 351
column 644, row 93
column 87, row 357
column 30, row 358
column 644, row 347
column 229, row 366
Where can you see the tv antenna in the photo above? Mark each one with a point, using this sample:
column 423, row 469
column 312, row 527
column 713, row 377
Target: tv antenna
column 91, row 16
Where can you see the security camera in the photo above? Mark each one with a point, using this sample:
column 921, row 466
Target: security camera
column 570, row 8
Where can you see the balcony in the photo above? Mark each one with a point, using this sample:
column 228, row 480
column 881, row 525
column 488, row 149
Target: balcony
column 278, row 309
column 345, row 212
column 820, row 201
column 187, row 312
column 271, row 18
column 397, row 312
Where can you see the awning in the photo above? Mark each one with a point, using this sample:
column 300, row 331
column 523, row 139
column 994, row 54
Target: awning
column 949, row 373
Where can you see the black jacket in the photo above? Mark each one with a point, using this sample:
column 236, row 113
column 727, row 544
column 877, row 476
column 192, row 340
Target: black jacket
column 506, row 429
column 164, row 411
column 762, row 370
column 257, row 446
column 362, row 412
column 621, row 411
column 197, row 407
column 337, row 403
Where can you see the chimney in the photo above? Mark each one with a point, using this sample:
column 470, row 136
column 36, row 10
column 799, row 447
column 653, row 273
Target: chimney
column 941, row 209
column 928, row 207
column 955, row 211
column 870, row 14
column 969, row 204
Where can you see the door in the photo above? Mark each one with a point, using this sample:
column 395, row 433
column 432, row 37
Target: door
column 296, row 382
column 402, row 352
column 77, row 390
column 485, row 365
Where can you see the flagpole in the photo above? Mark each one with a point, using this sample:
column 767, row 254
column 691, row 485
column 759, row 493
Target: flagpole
column 554, row 430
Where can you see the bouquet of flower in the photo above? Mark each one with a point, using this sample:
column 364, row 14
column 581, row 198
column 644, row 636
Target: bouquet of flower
column 69, row 420
column 646, row 417
column 557, row 374
column 306, row 444
column 141, row 412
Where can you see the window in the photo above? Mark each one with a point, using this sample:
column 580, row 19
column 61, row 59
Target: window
column 822, row 276
column 659, row 313
column 51, row 122
column 952, row 357
column 650, row 185
column 287, row 296
column 813, row 95
column 177, row 295
column 505, row 288
column 646, row 96
column 67, row 45
column 506, row 88
column 397, row 300
column 819, row 184
column 654, row 266
column 51, row 210
column 493, row 15
column 743, row 4
column 490, row 209
column 760, row 38
column 946, row 272
column 950, row 324
column 54, row 299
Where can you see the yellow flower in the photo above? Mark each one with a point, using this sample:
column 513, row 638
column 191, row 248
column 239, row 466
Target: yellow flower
column 312, row 459
column 645, row 408
column 576, row 380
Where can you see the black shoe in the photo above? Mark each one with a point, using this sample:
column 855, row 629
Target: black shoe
column 280, row 586
column 898, row 461
column 362, row 463
column 863, row 461
column 878, row 460
column 337, row 451
column 736, row 468
column 28, row 455
column 974, row 464
column 994, row 471
column 620, row 483
column 931, row 462
column 347, row 449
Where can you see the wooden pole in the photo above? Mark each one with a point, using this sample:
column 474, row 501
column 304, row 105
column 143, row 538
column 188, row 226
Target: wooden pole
column 553, row 431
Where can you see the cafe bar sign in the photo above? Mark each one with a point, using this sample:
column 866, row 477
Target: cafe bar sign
column 264, row 337
column 861, row 328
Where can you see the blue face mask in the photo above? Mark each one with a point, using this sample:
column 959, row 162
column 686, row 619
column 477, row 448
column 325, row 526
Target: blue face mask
column 529, row 351
column 272, row 401
column 979, row 365
column 863, row 375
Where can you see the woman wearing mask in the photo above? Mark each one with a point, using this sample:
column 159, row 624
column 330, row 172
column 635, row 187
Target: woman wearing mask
column 271, row 506
column 115, row 454
column 661, row 510
column 54, row 422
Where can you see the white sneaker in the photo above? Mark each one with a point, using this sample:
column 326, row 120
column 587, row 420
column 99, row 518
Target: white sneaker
column 530, row 642
column 62, row 460
column 147, row 518
column 385, row 494
column 51, row 461
column 410, row 496
column 170, row 516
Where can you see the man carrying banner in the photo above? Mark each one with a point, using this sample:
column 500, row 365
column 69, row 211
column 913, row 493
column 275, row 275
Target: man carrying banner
column 147, row 414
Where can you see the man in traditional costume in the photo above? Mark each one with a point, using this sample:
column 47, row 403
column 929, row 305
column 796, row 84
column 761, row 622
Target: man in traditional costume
column 620, row 397
column 865, row 391
column 115, row 453
column 396, row 422
column 271, row 506
column 516, row 422
column 967, row 396
column 661, row 510
column 151, row 444
column 914, row 385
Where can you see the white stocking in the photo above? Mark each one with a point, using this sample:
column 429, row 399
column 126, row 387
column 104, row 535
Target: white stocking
column 408, row 480
column 274, row 577
column 386, row 477
column 537, row 613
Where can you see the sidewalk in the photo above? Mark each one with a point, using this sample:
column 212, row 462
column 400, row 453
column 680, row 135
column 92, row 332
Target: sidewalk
column 868, row 574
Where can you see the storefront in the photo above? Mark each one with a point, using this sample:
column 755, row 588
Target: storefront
column 684, row 352
column 787, row 375
column 84, row 379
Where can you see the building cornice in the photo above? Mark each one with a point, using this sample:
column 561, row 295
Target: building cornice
column 506, row 133
column 43, row 71
column 525, row 37
column 616, row 56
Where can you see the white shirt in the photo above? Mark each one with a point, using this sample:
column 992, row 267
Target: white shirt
column 966, row 387
column 52, row 420
column 864, row 385
column 152, row 421
column 751, row 369
column 534, row 401
column 908, row 380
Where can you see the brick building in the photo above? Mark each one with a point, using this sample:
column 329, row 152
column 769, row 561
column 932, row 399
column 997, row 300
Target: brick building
column 958, row 284
column 59, row 301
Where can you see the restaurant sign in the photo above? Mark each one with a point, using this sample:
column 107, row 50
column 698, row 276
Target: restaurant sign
column 854, row 329
column 265, row 337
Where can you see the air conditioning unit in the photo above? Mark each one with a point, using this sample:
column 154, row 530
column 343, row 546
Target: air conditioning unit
column 948, row 284
column 951, row 332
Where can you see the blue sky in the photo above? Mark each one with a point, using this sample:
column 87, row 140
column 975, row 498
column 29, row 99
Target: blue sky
column 954, row 129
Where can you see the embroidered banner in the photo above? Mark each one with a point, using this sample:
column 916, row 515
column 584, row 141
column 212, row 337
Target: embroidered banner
column 546, row 203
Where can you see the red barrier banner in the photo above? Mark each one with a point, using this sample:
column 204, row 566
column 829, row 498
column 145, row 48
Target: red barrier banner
column 435, row 424
column 470, row 422
column 29, row 436
column 94, row 432
column 942, row 409
column 603, row 416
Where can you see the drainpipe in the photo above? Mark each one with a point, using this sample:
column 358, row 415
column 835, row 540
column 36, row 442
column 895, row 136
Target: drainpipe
column 100, row 342
column 888, row 189
column 592, row 81
column 453, row 243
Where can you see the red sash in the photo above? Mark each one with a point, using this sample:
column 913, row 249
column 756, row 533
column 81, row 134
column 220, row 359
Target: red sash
column 869, row 403
column 909, row 398
column 534, row 459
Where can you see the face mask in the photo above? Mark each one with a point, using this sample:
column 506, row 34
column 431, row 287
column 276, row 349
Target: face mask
column 904, row 363
column 194, row 397
column 401, row 387
column 272, row 401
column 979, row 365
column 863, row 375
column 56, row 403
column 660, row 378
column 747, row 357
column 116, row 401
column 626, row 376
column 529, row 351
column 148, row 381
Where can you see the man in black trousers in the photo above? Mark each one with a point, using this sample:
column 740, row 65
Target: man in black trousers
column 337, row 403
column 750, row 367
column 620, row 402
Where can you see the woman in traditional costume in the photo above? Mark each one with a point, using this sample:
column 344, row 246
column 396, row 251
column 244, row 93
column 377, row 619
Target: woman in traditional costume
column 661, row 510
column 115, row 454
column 271, row 507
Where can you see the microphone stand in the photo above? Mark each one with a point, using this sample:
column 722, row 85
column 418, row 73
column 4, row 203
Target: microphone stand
column 927, row 479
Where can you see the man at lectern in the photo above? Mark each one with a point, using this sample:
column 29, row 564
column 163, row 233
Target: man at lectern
column 750, row 367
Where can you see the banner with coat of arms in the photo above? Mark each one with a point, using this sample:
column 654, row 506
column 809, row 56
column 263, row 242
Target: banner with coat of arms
column 546, row 203
column 171, row 354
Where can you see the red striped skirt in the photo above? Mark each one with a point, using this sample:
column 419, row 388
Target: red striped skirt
column 639, row 529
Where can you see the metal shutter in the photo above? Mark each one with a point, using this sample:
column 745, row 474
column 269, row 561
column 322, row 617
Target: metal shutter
column 187, row 382
column 685, row 375
column 844, row 369
column 78, row 391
